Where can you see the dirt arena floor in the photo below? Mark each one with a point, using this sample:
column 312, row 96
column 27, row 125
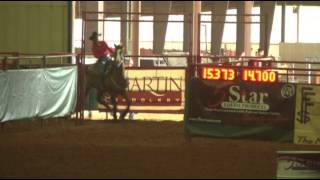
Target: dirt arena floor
column 132, row 149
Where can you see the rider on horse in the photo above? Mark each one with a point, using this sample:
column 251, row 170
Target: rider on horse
column 101, row 50
column 107, row 75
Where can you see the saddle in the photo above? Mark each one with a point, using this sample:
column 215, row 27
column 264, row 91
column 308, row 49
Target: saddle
column 102, row 67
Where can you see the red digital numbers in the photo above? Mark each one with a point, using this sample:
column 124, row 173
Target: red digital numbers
column 258, row 75
column 215, row 73
column 229, row 74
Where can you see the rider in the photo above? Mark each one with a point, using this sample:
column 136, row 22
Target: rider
column 101, row 50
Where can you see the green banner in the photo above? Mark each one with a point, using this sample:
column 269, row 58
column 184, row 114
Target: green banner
column 232, row 109
column 37, row 93
column 307, row 115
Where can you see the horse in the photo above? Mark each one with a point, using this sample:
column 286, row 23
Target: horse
column 112, row 84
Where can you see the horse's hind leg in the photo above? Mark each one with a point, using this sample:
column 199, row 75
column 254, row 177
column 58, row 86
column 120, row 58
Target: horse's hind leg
column 124, row 113
column 100, row 98
column 115, row 109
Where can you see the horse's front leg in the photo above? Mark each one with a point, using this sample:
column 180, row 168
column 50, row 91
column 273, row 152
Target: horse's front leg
column 124, row 113
column 115, row 109
column 101, row 100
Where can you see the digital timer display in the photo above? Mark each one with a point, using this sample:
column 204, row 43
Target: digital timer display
column 259, row 75
column 217, row 73
column 230, row 74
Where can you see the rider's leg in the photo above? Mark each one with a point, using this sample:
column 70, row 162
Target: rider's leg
column 99, row 66
column 107, row 67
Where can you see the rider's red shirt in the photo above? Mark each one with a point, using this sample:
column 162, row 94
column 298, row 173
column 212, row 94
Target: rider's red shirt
column 101, row 49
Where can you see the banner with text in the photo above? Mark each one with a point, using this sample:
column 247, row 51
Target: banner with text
column 298, row 165
column 307, row 115
column 241, row 110
column 155, row 90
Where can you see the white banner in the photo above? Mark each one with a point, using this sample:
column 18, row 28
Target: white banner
column 33, row 93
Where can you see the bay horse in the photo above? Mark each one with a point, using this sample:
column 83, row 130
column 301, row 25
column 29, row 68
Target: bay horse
column 112, row 84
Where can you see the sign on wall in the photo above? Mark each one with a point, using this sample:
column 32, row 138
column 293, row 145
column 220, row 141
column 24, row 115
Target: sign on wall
column 307, row 115
column 298, row 165
column 155, row 90
column 241, row 110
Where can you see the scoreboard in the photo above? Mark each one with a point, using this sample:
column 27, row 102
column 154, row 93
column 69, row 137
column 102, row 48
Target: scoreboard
column 245, row 74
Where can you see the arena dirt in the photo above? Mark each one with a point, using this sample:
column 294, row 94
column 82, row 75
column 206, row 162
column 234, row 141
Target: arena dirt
column 132, row 149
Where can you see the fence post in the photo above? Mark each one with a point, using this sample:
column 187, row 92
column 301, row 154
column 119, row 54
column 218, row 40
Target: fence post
column 44, row 63
column 80, row 90
column 5, row 63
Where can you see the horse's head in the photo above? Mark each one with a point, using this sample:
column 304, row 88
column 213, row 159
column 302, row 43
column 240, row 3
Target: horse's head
column 118, row 68
column 119, row 74
column 118, row 53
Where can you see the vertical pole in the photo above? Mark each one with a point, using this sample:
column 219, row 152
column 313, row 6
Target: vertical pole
column 190, row 40
column 162, row 12
column 190, row 62
column 103, row 24
column 243, row 43
column 196, row 10
column 81, row 63
column 205, row 37
column 18, row 60
column 136, row 10
column 283, row 22
column 128, row 32
column 247, row 31
column 78, row 89
column 298, row 23
column 267, row 9
column 123, row 24
column 187, row 26
column 44, row 62
column 198, row 59
column 218, row 13
column 266, row 48
column 83, row 47
column 5, row 63
column 72, row 15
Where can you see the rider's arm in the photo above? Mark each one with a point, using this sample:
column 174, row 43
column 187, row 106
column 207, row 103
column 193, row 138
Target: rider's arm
column 109, row 49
